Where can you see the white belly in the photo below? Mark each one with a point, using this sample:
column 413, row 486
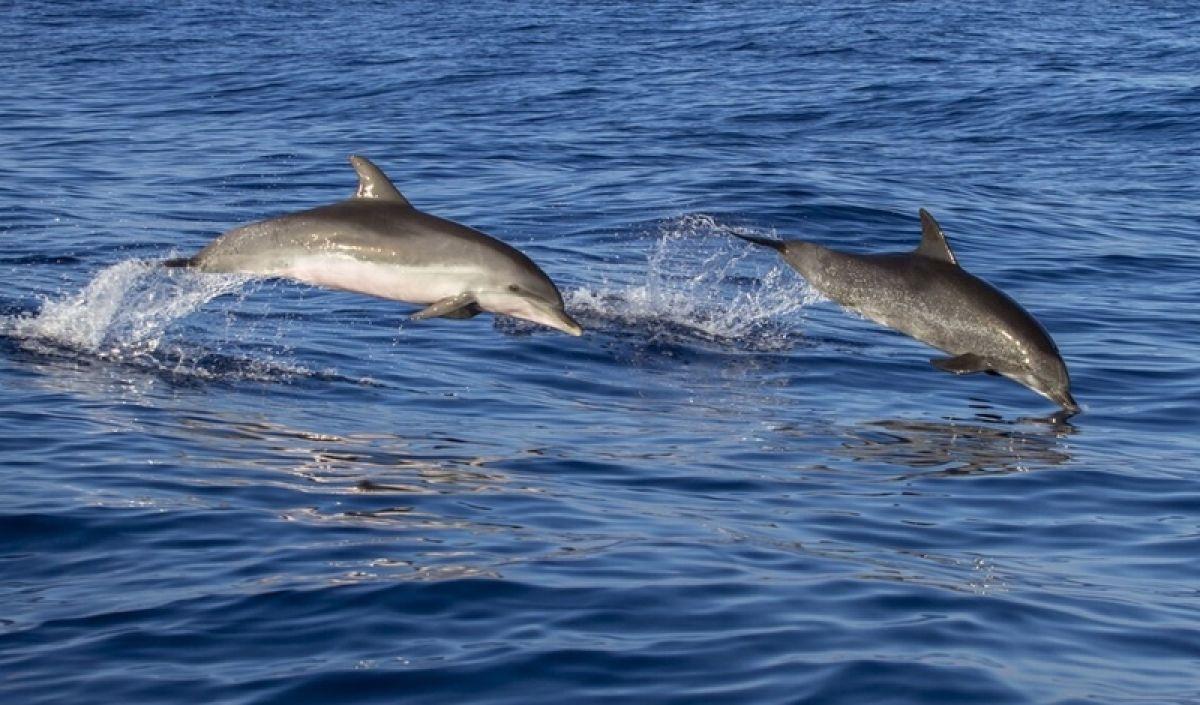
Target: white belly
column 418, row 285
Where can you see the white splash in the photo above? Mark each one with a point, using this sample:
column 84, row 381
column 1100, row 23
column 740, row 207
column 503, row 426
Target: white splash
column 124, row 311
column 702, row 282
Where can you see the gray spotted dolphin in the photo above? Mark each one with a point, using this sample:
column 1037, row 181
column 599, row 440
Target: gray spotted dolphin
column 926, row 294
column 377, row 243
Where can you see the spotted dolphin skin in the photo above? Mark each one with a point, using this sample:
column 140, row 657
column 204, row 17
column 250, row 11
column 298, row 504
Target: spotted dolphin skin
column 377, row 243
column 927, row 295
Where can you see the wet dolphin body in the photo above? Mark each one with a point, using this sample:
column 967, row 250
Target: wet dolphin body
column 927, row 295
column 377, row 243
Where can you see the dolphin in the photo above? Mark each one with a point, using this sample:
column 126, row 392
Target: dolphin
column 377, row 243
column 925, row 294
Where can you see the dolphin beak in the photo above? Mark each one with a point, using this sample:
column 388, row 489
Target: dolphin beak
column 1067, row 402
column 563, row 322
column 552, row 316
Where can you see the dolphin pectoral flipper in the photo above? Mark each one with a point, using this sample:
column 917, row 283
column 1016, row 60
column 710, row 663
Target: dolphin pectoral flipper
column 461, row 306
column 966, row 364
column 468, row 311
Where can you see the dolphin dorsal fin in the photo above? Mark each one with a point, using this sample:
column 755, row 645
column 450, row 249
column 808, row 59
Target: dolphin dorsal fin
column 373, row 183
column 933, row 240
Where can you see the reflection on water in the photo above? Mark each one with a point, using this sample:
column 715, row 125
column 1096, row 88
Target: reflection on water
column 374, row 463
column 956, row 448
column 418, row 495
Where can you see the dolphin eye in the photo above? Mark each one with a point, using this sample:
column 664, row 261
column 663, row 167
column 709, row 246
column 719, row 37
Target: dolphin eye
column 513, row 287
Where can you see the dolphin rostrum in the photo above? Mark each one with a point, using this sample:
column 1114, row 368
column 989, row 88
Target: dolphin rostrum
column 927, row 295
column 377, row 243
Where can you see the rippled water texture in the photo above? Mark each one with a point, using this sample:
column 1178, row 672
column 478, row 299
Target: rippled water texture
column 224, row 490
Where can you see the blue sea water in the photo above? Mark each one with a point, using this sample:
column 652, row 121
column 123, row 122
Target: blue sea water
column 728, row 490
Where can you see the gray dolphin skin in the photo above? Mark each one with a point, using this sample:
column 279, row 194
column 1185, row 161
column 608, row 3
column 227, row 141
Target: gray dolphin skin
column 377, row 243
column 926, row 294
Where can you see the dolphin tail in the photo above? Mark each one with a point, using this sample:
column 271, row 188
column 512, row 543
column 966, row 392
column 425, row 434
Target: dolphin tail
column 778, row 245
column 180, row 262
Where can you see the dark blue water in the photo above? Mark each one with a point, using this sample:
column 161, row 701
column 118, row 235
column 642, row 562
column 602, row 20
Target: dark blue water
column 224, row 491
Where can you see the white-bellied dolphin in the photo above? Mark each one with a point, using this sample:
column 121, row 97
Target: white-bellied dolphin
column 377, row 243
column 927, row 295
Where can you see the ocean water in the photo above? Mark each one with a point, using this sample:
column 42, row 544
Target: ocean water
column 224, row 490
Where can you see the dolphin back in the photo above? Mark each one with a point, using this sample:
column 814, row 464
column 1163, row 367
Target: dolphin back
column 777, row 245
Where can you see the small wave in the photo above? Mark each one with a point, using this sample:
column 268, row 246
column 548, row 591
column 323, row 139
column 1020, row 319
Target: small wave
column 124, row 316
column 123, row 312
column 38, row 259
column 701, row 283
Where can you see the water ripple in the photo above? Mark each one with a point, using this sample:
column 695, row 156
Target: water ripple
column 728, row 490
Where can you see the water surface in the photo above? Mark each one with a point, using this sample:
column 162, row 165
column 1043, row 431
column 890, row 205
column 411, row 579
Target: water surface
column 222, row 490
